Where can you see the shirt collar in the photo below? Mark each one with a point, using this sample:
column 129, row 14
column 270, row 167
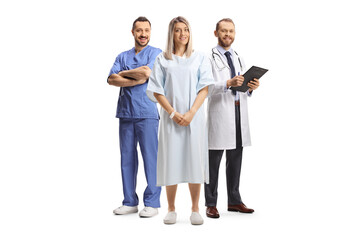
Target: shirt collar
column 222, row 50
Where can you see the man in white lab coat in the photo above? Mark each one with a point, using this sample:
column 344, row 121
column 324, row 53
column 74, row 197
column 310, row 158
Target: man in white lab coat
column 228, row 119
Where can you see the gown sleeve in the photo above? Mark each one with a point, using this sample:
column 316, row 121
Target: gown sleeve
column 205, row 76
column 156, row 81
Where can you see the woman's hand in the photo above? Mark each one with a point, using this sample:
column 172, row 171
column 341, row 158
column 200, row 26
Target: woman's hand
column 178, row 118
column 187, row 118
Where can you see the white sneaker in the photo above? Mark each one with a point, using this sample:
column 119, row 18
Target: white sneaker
column 125, row 210
column 148, row 212
column 196, row 218
column 170, row 218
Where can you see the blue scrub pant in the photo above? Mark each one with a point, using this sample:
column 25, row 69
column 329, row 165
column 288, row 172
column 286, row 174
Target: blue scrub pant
column 144, row 132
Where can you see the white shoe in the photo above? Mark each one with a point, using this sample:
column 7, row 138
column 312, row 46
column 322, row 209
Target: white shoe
column 148, row 212
column 125, row 210
column 196, row 218
column 170, row 218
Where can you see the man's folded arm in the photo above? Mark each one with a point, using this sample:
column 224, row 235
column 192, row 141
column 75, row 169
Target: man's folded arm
column 128, row 78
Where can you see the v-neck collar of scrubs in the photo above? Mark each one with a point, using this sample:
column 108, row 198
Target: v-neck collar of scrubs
column 139, row 53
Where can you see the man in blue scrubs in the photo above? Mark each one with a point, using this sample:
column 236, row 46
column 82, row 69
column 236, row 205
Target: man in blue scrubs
column 139, row 120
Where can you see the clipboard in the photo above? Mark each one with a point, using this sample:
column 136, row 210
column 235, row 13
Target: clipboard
column 253, row 72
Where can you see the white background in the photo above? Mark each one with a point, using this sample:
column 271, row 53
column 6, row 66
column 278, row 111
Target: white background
column 60, row 169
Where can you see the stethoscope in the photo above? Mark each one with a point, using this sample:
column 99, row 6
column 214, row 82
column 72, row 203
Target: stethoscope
column 216, row 55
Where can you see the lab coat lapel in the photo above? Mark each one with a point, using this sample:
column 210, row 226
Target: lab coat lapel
column 224, row 60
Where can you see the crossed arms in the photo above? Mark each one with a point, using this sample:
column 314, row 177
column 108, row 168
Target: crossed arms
column 129, row 78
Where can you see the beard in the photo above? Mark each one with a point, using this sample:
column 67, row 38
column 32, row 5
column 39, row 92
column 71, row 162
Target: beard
column 142, row 44
column 224, row 44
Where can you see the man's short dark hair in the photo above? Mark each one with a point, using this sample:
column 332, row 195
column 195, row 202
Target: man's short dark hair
column 224, row 20
column 140, row 19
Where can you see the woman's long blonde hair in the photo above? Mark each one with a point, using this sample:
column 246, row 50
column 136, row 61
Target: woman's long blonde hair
column 170, row 46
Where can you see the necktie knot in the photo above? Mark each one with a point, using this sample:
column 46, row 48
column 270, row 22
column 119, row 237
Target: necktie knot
column 227, row 54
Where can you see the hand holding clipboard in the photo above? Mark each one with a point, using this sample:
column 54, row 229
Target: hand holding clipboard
column 253, row 72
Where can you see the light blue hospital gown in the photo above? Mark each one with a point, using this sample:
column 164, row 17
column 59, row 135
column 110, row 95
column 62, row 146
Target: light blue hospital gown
column 183, row 151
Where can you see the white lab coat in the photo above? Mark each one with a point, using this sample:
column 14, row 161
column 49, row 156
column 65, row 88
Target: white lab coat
column 221, row 109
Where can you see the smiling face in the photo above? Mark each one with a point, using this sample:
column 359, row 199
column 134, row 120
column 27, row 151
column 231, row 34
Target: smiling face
column 181, row 34
column 141, row 33
column 225, row 34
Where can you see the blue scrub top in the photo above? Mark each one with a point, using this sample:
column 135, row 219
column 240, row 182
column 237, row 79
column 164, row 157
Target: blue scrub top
column 133, row 101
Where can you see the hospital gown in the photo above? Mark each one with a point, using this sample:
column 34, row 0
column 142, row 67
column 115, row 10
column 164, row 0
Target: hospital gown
column 183, row 151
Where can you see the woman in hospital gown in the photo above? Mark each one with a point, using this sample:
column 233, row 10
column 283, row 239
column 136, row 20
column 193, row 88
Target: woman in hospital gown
column 179, row 82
